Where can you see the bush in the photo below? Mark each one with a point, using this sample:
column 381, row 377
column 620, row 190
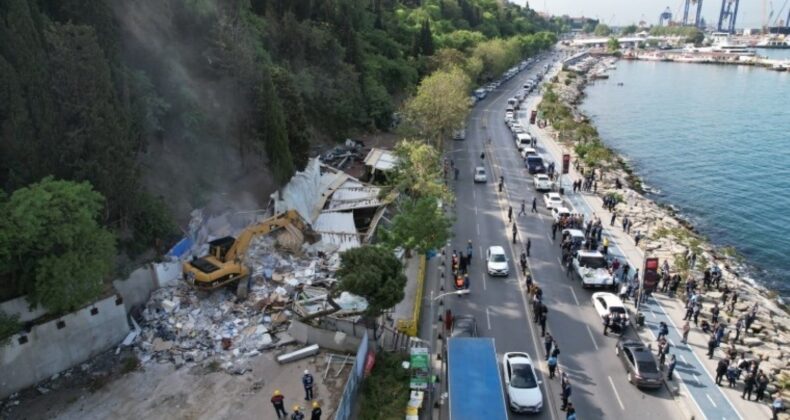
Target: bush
column 9, row 325
column 386, row 391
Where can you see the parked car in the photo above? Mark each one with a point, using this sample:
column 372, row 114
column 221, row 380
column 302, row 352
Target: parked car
column 640, row 365
column 522, row 384
column 542, row 182
column 496, row 261
column 592, row 269
column 464, row 326
column 576, row 235
column 552, row 200
column 527, row 152
column 480, row 175
column 535, row 165
column 608, row 304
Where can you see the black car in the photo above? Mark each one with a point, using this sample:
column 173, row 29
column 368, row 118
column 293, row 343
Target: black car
column 535, row 165
column 464, row 326
column 640, row 365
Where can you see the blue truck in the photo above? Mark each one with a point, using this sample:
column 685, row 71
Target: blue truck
column 475, row 385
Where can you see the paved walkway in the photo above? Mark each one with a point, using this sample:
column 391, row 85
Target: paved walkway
column 405, row 309
column 693, row 368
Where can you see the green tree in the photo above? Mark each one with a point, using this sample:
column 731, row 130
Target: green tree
column 295, row 121
column 418, row 172
column 272, row 131
column 420, row 225
column 613, row 45
column 440, row 105
column 630, row 29
column 426, row 38
column 9, row 325
column 52, row 247
column 374, row 273
column 602, row 30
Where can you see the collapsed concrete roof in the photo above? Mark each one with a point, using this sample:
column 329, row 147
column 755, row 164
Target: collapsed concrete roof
column 381, row 160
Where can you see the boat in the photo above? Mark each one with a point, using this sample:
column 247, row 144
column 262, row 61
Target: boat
column 722, row 44
column 773, row 42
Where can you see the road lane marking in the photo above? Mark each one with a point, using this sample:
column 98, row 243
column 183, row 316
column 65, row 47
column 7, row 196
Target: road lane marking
column 573, row 292
column 549, row 237
column 477, row 226
column 488, row 317
column 559, row 261
column 485, row 283
column 482, row 257
column 593, row 339
column 672, row 343
column 711, row 400
column 683, row 359
column 619, row 401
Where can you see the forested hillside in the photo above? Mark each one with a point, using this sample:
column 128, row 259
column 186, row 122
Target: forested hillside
column 162, row 105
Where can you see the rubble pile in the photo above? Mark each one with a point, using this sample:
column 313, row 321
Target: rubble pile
column 183, row 325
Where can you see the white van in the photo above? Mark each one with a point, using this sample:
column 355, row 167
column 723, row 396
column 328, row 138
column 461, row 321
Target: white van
column 523, row 140
column 512, row 102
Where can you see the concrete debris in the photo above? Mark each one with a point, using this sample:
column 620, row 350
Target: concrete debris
column 302, row 353
column 184, row 326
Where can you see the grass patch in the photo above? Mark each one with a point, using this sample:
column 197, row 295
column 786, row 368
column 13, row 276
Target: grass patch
column 386, row 391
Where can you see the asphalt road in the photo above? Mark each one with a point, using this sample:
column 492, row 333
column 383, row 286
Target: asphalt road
column 600, row 388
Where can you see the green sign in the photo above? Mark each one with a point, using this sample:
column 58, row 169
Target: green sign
column 419, row 364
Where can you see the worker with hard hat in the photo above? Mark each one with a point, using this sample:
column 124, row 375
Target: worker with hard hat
column 278, row 401
column 297, row 414
column 316, row 413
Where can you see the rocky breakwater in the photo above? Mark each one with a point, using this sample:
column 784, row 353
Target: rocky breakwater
column 670, row 238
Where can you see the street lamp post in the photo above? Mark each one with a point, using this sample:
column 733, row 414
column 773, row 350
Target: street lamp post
column 431, row 340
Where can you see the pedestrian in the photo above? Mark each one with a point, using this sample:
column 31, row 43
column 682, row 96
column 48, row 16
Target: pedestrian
column 456, row 178
column 278, row 401
column 523, row 261
column 607, row 319
column 307, row 381
column 721, row 370
column 542, row 325
column 483, row 156
column 686, row 329
column 732, row 374
column 663, row 330
column 534, row 205
column 714, row 313
column 748, row 386
column 297, row 414
column 529, row 245
column 509, row 214
column 733, row 301
column 570, row 412
column 515, row 233
column 316, row 413
column 469, row 252
column 637, row 237
column 552, row 362
column 671, row 367
column 777, row 407
column 523, row 211
column 697, row 310
column 738, row 328
column 711, row 346
column 501, row 183
column 566, row 394
column 556, row 351
column 548, row 341
column 554, row 227
column 662, row 353
column 762, row 385
column 605, row 250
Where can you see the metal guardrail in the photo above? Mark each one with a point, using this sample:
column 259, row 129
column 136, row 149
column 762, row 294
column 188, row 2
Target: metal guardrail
column 410, row 326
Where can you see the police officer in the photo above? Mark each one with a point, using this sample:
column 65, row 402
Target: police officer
column 307, row 381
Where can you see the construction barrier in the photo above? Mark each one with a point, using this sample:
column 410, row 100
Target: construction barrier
column 410, row 326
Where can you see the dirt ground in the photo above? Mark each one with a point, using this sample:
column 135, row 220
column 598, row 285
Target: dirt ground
column 159, row 391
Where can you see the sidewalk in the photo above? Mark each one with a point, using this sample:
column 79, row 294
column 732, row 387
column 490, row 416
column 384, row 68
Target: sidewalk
column 406, row 314
column 694, row 368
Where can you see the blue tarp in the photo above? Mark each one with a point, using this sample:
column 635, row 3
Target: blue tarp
column 181, row 248
column 475, row 383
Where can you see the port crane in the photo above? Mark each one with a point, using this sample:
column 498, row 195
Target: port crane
column 728, row 14
column 697, row 16
column 665, row 17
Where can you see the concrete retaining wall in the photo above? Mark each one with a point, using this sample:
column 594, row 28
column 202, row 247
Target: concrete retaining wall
column 332, row 340
column 21, row 308
column 52, row 347
column 136, row 289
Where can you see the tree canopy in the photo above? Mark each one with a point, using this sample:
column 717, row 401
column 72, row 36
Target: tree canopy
column 440, row 106
column 374, row 273
column 52, row 247
column 602, row 30
column 419, row 225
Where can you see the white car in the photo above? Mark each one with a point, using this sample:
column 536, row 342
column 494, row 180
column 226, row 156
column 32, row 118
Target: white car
column 559, row 212
column 523, row 387
column 552, row 200
column 577, row 237
column 480, row 175
column 509, row 115
column 496, row 261
column 542, row 182
column 608, row 304
column 528, row 151
column 592, row 269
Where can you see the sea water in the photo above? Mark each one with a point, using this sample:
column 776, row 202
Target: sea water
column 714, row 142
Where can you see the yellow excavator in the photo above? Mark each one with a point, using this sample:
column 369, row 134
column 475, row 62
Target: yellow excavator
column 224, row 265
